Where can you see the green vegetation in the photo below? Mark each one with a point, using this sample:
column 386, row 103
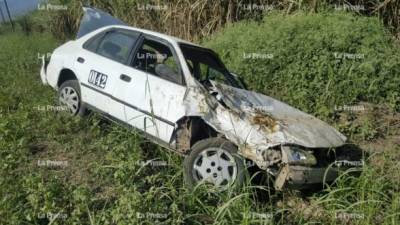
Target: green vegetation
column 317, row 62
column 100, row 177
column 196, row 19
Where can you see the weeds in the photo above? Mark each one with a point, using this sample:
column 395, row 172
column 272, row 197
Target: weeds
column 196, row 19
column 326, row 64
column 105, row 182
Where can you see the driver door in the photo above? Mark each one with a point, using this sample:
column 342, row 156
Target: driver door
column 153, row 99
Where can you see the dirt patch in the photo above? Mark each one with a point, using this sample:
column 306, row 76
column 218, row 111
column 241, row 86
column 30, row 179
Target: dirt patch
column 298, row 206
column 35, row 148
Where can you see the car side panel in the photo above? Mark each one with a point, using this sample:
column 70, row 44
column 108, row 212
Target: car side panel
column 97, row 78
column 159, row 105
column 129, row 103
column 61, row 58
column 166, row 101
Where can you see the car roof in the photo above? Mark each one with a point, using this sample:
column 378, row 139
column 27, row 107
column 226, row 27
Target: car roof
column 157, row 34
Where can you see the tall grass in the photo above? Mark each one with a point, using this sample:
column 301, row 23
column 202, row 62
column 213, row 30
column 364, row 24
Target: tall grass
column 194, row 19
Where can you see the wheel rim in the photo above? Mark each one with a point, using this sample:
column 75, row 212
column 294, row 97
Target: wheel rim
column 69, row 97
column 216, row 166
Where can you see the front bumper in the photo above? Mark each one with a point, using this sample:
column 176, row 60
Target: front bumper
column 300, row 177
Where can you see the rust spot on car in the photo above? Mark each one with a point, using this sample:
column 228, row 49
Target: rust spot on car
column 247, row 152
column 251, row 154
column 265, row 121
column 183, row 137
column 203, row 107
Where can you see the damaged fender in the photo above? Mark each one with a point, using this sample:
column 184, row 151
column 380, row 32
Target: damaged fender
column 256, row 123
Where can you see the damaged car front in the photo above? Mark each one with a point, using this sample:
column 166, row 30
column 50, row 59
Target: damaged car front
column 293, row 146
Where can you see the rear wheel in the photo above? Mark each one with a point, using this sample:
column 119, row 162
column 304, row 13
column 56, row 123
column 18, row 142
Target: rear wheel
column 214, row 161
column 69, row 95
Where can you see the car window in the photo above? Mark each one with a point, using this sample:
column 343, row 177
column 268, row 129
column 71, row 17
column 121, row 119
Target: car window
column 205, row 66
column 93, row 43
column 115, row 45
column 157, row 59
column 209, row 73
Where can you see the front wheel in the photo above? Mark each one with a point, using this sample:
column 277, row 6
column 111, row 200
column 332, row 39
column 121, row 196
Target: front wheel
column 214, row 161
column 69, row 95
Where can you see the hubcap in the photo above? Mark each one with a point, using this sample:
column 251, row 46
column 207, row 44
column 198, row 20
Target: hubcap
column 69, row 97
column 216, row 166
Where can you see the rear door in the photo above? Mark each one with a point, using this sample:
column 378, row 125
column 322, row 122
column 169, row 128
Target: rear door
column 99, row 64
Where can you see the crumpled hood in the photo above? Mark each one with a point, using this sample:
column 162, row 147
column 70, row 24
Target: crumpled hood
column 281, row 123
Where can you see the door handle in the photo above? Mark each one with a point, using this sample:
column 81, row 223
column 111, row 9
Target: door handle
column 81, row 60
column 125, row 78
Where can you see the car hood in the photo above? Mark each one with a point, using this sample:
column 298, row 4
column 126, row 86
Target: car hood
column 280, row 122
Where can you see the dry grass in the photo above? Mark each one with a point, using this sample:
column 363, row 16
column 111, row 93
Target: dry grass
column 194, row 19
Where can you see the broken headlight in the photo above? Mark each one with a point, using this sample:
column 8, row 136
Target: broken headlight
column 294, row 155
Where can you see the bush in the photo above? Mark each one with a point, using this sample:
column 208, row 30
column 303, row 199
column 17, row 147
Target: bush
column 26, row 24
column 314, row 62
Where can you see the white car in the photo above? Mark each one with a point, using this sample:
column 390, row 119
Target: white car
column 181, row 96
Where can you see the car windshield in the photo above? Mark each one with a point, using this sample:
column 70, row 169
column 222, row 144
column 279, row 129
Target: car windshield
column 205, row 66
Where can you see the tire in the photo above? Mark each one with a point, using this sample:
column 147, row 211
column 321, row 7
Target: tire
column 69, row 95
column 223, row 168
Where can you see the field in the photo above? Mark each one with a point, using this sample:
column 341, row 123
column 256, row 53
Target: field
column 56, row 169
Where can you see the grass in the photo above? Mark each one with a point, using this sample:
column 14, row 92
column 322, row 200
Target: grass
column 196, row 19
column 310, row 61
column 97, row 174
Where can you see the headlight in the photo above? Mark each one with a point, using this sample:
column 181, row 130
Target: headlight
column 296, row 156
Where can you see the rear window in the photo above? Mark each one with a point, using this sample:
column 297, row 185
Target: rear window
column 115, row 45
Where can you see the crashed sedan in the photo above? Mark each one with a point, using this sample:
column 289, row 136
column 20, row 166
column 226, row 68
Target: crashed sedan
column 182, row 97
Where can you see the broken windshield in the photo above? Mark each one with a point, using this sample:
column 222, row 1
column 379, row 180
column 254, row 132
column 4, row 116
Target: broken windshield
column 205, row 66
